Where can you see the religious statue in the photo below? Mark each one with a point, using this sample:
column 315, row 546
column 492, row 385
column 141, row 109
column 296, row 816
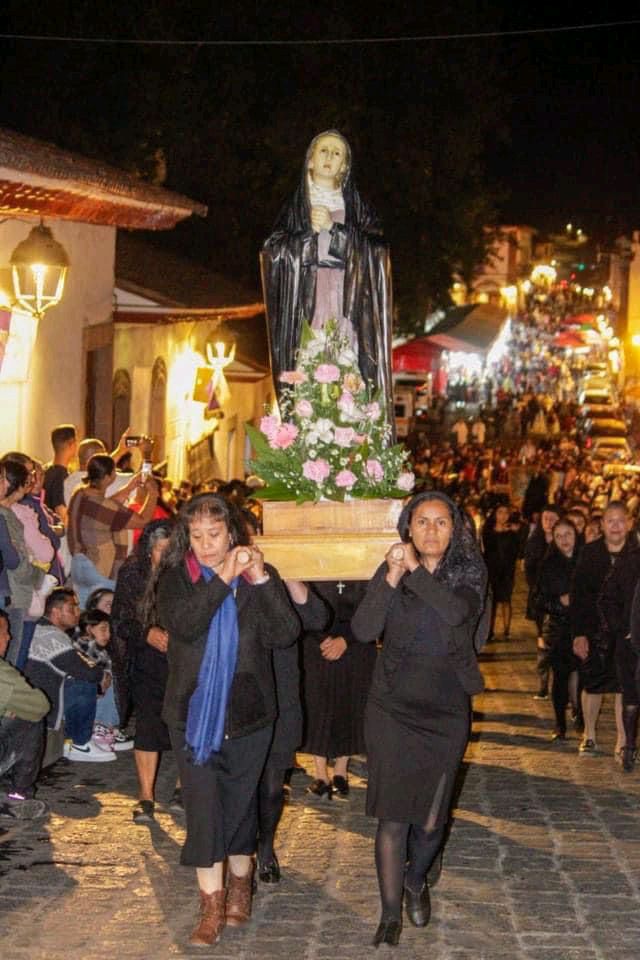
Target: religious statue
column 327, row 260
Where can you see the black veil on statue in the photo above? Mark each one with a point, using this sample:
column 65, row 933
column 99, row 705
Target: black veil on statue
column 289, row 261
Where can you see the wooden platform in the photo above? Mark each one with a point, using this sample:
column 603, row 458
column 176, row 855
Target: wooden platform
column 328, row 540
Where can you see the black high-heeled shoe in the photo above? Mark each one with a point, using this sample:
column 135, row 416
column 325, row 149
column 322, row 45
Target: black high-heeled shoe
column 418, row 906
column 388, row 932
column 269, row 872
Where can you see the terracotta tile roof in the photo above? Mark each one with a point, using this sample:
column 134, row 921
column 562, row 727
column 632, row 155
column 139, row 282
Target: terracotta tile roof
column 78, row 188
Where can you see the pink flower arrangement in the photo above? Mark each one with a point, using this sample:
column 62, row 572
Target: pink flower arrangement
column 326, row 373
column 346, row 479
column 293, row 376
column 284, row 436
column 374, row 470
column 344, row 436
column 316, row 470
column 304, row 408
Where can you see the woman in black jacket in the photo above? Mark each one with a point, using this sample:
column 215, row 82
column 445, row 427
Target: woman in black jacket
column 224, row 612
column 425, row 602
column 554, row 587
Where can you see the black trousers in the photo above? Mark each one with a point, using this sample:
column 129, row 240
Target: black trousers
column 220, row 797
column 21, row 749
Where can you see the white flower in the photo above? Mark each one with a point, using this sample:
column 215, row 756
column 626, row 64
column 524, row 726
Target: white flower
column 321, row 431
column 346, row 357
column 313, row 349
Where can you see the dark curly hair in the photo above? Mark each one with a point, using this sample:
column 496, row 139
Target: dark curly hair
column 462, row 563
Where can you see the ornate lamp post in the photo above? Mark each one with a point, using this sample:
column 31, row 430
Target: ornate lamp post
column 39, row 268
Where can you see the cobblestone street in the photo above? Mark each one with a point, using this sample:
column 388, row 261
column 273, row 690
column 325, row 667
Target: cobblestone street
column 543, row 861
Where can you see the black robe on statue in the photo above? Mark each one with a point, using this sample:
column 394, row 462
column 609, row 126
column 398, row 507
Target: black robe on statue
column 289, row 263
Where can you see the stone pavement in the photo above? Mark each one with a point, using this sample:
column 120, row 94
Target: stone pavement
column 543, row 862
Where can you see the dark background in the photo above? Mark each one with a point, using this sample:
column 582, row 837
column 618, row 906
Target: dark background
column 447, row 136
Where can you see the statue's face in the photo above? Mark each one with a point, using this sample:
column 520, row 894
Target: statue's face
column 328, row 160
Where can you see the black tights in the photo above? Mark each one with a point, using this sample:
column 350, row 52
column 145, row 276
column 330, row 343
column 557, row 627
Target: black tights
column 630, row 721
column 270, row 804
column 395, row 844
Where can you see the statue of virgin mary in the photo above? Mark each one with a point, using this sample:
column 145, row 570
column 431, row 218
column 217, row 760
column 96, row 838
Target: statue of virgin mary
column 327, row 259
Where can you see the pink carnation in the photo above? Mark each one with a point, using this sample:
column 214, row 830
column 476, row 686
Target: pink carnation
column 284, row 436
column 269, row 425
column 327, row 373
column 304, row 408
column 373, row 410
column 344, row 436
column 316, row 470
column 345, row 479
column 346, row 403
column 406, row 481
column 292, row 376
column 374, row 470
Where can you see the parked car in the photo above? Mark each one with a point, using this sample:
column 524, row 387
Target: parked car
column 611, row 449
column 604, row 427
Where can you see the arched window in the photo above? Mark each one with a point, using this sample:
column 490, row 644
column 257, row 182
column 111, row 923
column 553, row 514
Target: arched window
column 158, row 408
column 121, row 404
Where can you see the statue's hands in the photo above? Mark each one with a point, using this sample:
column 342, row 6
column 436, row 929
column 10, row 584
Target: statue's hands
column 321, row 219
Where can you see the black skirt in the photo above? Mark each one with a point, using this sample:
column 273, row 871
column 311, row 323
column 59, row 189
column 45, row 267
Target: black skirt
column 416, row 730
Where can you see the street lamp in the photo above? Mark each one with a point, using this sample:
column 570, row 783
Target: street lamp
column 39, row 267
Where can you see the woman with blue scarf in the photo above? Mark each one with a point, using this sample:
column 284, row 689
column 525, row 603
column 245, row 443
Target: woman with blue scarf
column 224, row 612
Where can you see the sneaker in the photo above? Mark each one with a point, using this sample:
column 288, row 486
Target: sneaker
column 144, row 811
column 121, row 741
column 89, row 752
column 23, row 808
column 320, row 790
column 103, row 737
column 176, row 803
column 340, row 788
column 588, row 748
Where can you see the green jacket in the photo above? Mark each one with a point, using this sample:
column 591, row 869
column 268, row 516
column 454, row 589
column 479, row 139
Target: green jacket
column 18, row 697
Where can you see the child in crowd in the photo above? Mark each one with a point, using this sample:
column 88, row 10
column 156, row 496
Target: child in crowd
column 94, row 634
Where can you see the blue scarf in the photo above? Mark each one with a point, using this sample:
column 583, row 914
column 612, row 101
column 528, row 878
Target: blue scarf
column 208, row 703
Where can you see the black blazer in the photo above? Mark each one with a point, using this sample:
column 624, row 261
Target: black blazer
column 266, row 620
column 395, row 613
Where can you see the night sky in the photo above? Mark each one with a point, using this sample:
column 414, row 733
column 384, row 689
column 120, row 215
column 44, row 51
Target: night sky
column 566, row 136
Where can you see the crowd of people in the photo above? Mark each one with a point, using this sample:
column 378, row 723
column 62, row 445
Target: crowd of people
column 135, row 615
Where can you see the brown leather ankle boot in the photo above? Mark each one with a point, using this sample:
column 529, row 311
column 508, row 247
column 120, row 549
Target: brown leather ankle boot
column 212, row 919
column 239, row 895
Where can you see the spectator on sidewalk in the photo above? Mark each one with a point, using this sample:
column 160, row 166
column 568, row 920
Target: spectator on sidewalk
column 98, row 525
column 22, row 709
column 65, row 446
column 69, row 680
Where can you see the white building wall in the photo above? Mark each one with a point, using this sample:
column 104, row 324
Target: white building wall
column 182, row 347
column 55, row 390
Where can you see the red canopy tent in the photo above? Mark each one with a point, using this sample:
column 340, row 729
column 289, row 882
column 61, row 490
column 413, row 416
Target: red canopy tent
column 416, row 356
column 569, row 338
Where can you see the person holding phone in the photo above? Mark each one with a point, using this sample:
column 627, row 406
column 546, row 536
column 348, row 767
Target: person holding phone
column 98, row 525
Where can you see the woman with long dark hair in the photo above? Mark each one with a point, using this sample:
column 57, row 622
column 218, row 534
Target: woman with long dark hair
column 224, row 612
column 140, row 664
column 425, row 602
column 553, row 597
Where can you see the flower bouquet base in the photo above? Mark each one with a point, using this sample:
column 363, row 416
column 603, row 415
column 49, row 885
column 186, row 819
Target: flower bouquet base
column 328, row 540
